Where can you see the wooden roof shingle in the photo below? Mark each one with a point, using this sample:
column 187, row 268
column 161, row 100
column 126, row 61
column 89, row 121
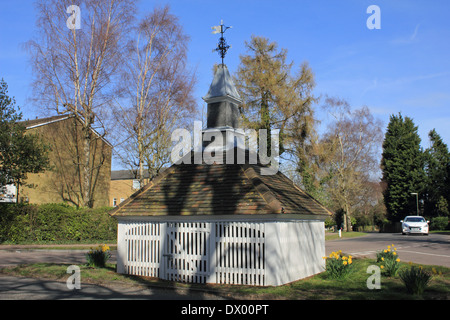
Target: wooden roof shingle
column 219, row 189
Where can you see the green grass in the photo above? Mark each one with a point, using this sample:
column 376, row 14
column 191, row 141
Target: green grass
column 344, row 235
column 312, row 288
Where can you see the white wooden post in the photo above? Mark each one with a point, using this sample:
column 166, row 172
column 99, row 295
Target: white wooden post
column 121, row 247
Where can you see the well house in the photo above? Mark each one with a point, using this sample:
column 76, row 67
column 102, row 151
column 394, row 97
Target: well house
column 224, row 222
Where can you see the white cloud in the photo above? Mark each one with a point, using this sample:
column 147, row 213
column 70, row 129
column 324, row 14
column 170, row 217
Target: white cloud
column 408, row 39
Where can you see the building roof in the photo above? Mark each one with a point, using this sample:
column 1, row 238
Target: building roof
column 220, row 189
column 127, row 174
column 31, row 124
column 222, row 87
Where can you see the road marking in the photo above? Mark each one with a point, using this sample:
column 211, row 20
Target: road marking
column 428, row 254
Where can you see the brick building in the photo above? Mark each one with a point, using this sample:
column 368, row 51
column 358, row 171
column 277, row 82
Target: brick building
column 63, row 182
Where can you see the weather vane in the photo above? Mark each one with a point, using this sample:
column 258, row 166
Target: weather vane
column 222, row 47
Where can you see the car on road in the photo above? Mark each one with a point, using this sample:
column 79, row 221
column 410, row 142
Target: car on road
column 415, row 224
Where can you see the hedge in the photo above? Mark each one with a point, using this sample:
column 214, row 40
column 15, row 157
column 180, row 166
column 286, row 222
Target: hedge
column 24, row 223
column 439, row 223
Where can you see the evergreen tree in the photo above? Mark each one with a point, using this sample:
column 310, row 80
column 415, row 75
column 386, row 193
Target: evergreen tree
column 20, row 153
column 438, row 180
column 402, row 165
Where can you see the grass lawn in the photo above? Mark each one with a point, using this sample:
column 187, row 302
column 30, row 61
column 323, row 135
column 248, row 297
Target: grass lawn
column 313, row 288
column 351, row 234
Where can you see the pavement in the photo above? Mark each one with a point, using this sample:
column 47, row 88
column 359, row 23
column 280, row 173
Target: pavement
column 18, row 288
column 21, row 288
column 14, row 255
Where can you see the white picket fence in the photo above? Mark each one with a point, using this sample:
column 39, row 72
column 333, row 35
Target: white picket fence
column 224, row 252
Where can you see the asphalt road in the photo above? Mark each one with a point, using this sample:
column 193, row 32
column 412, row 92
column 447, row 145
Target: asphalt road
column 15, row 288
column 18, row 288
column 433, row 249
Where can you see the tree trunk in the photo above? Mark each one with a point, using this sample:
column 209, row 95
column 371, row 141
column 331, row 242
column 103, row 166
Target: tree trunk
column 87, row 196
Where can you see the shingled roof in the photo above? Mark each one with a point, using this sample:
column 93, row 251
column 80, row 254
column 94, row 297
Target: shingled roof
column 220, row 189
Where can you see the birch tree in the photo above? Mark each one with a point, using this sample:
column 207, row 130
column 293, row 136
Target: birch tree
column 156, row 92
column 76, row 57
column 352, row 143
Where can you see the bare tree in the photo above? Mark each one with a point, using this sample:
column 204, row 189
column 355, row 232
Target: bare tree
column 352, row 144
column 75, row 66
column 156, row 92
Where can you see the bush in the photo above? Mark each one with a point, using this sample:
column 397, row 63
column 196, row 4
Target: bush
column 97, row 258
column 390, row 262
column 338, row 266
column 439, row 223
column 415, row 279
column 55, row 222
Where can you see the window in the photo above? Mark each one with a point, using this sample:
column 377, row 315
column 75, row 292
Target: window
column 114, row 202
column 418, row 219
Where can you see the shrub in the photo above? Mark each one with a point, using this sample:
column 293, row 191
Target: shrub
column 21, row 223
column 390, row 262
column 415, row 279
column 439, row 223
column 337, row 265
column 98, row 257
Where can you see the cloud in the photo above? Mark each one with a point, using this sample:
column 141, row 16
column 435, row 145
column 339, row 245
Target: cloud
column 409, row 39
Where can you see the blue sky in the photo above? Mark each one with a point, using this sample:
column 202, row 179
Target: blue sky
column 402, row 67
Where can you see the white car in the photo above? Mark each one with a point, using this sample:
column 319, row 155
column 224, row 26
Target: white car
column 414, row 224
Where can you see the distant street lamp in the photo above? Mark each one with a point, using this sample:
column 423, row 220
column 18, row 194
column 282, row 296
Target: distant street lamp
column 417, row 201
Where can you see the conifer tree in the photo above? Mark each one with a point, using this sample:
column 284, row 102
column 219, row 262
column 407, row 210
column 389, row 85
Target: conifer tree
column 438, row 180
column 402, row 165
column 20, row 153
column 274, row 96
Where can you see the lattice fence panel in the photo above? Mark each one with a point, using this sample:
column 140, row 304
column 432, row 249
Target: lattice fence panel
column 143, row 246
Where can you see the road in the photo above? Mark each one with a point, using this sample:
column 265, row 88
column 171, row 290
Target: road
column 433, row 249
column 18, row 288
column 15, row 288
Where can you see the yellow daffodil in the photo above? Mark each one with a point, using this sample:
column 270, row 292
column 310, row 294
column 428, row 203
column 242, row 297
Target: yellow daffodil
column 398, row 260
